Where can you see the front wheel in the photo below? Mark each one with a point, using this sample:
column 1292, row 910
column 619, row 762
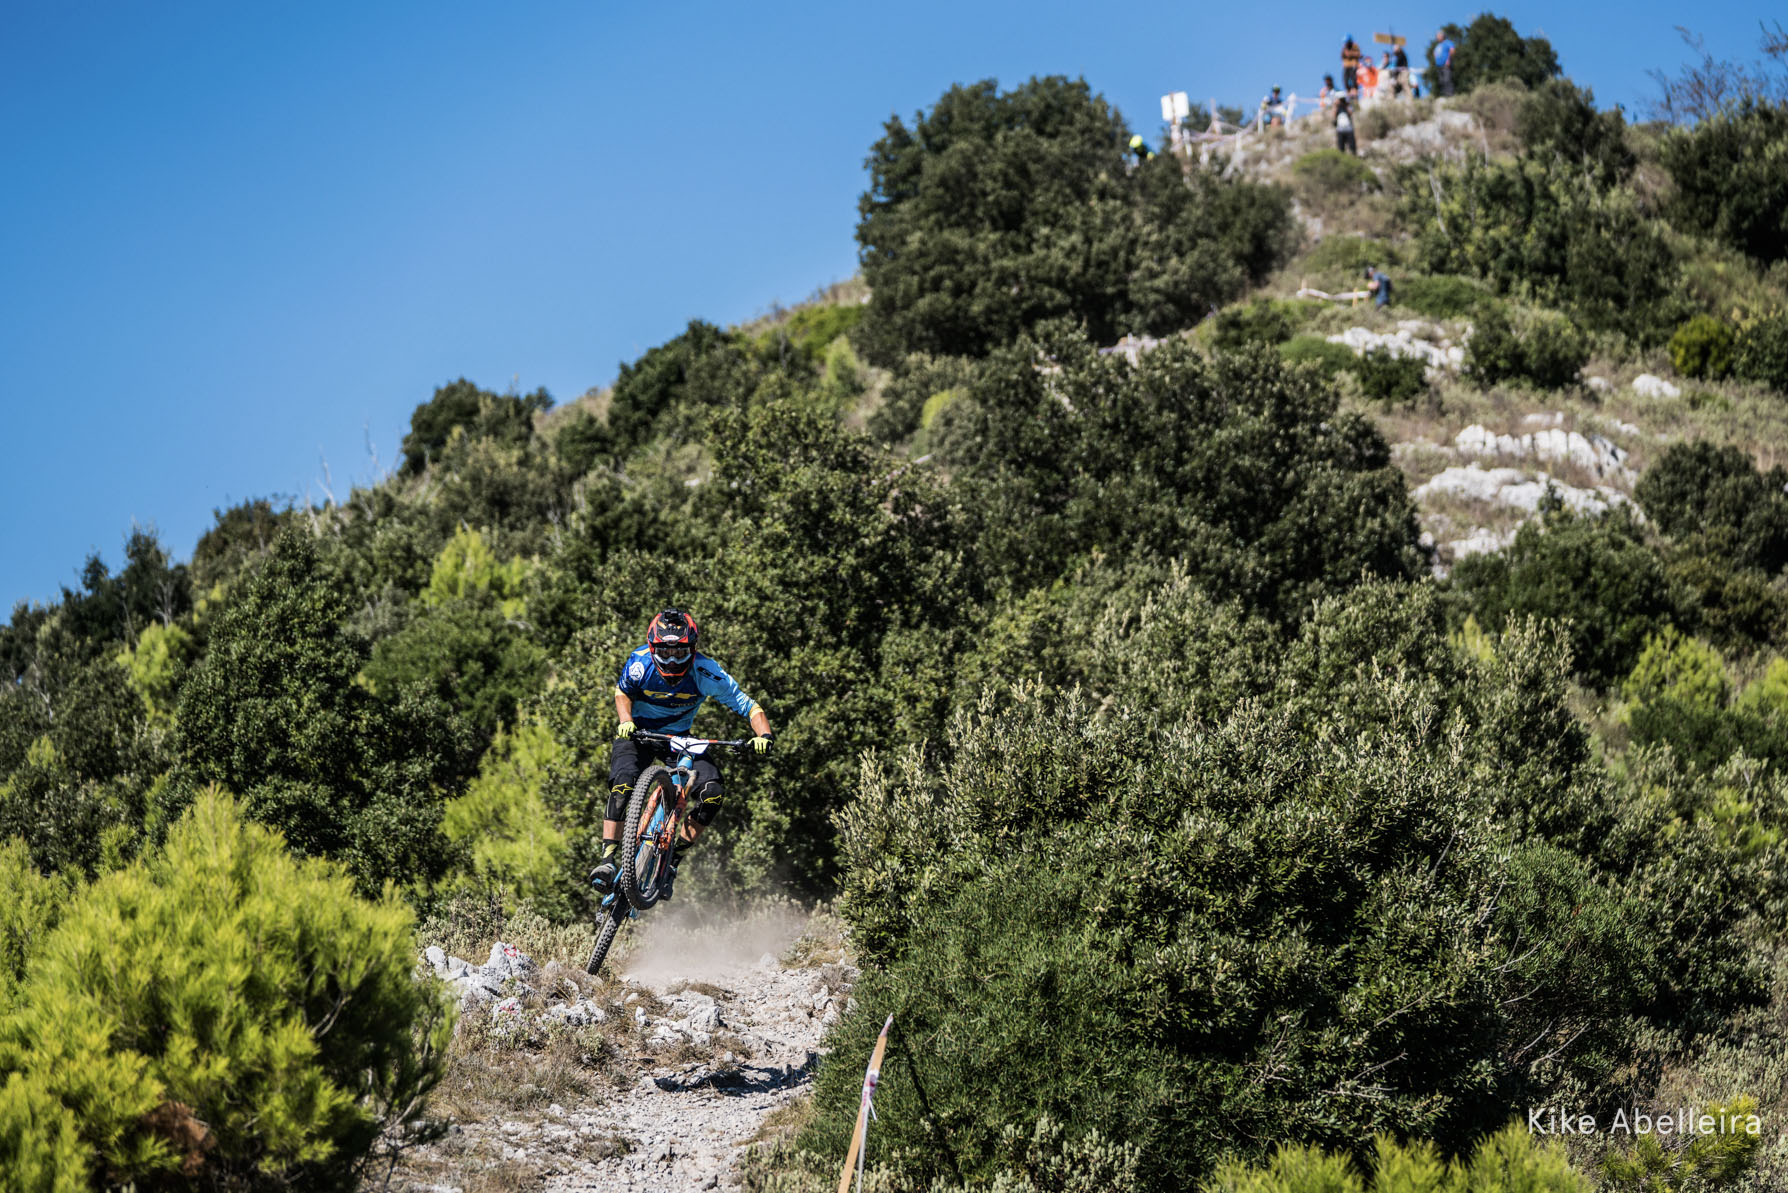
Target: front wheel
column 613, row 914
column 643, row 863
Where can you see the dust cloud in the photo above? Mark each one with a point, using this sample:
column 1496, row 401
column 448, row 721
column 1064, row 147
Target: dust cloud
column 686, row 944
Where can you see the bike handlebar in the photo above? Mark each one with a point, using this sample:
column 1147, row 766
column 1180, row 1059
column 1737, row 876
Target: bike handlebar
column 648, row 735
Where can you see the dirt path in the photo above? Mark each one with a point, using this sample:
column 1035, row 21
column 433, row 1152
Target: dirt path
column 684, row 1057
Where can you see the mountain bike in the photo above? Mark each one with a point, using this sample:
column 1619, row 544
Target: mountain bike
column 659, row 813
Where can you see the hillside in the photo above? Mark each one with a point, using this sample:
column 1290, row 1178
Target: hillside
column 1245, row 740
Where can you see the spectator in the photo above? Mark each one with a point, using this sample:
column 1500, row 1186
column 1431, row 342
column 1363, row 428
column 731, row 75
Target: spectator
column 1344, row 127
column 1141, row 149
column 1368, row 78
column 1443, row 61
column 1379, row 286
column 1326, row 97
column 1350, row 66
column 1400, row 67
column 1272, row 108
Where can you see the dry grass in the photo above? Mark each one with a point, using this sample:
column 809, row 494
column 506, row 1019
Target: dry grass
column 823, row 944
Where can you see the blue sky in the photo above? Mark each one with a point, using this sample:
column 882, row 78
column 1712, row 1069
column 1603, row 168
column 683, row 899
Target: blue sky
column 239, row 243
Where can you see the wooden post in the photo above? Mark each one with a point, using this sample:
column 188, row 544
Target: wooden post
column 870, row 1078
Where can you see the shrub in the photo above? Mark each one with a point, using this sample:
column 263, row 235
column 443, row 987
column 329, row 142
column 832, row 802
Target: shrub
column 229, row 1012
column 1328, row 359
column 918, row 378
column 1263, row 321
column 1702, row 348
column 1533, row 227
column 1716, row 496
column 996, row 212
column 1387, row 377
column 1441, row 296
column 1559, row 119
column 1329, row 172
column 1546, row 350
column 478, row 412
column 1509, row 1160
column 1489, row 49
column 1731, row 175
column 1762, row 351
column 1345, row 256
column 1596, row 575
column 1146, row 1023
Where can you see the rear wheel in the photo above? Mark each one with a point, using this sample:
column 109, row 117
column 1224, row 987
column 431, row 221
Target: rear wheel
column 642, row 863
column 612, row 915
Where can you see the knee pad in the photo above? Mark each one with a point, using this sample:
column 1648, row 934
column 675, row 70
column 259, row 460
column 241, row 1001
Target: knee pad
column 711, row 794
column 618, row 794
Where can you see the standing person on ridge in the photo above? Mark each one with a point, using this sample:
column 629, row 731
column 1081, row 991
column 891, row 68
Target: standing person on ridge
column 662, row 685
column 1443, row 61
column 1350, row 67
column 1343, row 121
column 1401, row 61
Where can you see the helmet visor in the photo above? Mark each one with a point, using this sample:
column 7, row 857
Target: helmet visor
column 671, row 654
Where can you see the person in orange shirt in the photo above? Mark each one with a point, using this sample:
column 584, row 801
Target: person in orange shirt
column 1368, row 79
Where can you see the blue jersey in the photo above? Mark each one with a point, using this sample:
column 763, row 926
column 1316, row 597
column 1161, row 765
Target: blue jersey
column 663, row 705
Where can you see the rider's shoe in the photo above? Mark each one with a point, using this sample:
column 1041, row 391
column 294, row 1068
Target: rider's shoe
column 603, row 876
column 670, row 882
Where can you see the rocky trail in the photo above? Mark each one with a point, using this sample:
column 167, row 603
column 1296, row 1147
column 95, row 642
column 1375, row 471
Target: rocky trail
column 658, row 1076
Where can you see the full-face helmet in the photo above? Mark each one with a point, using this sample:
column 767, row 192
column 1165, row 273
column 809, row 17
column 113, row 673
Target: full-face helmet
column 671, row 638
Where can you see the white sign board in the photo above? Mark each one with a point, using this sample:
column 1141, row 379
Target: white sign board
column 1175, row 107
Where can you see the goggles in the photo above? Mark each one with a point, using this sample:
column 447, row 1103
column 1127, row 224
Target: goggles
column 671, row 653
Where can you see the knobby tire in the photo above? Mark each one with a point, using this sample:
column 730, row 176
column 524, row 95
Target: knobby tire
column 656, row 778
column 612, row 916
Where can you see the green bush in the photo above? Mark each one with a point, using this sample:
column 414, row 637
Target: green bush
column 1716, row 498
column 1387, row 377
column 1328, row 172
column 1489, row 49
column 1559, row 119
column 1328, row 359
column 1510, row 1161
column 1442, row 296
column 1263, row 321
column 229, row 1013
column 1345, row 256
column 1762, row 351
column 1544, row 350
column 478, row 412
column 1536, row 228
column 1731, row 175
column 1702, row 348
column 916, row 380
column 1278, row 898
column 1142, row 462
column 997, row 212
column 1596, row 575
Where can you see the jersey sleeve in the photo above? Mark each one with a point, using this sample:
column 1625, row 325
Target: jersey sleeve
column 632, row 677
column 716, row 684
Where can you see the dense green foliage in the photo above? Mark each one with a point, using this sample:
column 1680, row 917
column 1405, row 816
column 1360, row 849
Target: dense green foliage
column 994, row 212
column 220, row 1011
column 1531, row 228
column 1595, row 575
column 1543, row 350
column 1489, row 49
column 1731, row 175
column 1702, row 347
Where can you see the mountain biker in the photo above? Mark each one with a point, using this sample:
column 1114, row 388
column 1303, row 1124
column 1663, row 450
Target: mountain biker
column 662, row 685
